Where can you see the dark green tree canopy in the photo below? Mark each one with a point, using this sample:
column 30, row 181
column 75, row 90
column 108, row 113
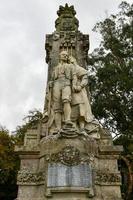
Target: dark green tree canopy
column 111, row 79
column 9, row 164
column 9, row 160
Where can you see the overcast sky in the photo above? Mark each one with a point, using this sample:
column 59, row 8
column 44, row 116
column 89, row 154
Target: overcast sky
column 23, row 71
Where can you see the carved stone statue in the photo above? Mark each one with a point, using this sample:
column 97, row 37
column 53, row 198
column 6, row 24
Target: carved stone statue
column 59, row 94
column 66, row 97
column 79, row 96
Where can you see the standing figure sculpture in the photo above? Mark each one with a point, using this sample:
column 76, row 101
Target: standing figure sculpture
column 60, row 94
column 80, row 97
column 67, row 96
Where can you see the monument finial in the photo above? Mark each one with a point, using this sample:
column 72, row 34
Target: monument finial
column 66, row 10
column 66, row 20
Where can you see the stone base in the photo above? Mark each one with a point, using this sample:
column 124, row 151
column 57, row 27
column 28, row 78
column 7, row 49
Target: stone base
column 62, row 168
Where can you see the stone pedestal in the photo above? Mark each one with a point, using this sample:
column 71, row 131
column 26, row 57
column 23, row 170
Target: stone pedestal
column 64, row 168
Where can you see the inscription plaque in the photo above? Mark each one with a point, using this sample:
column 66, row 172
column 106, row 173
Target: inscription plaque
column 60, row 175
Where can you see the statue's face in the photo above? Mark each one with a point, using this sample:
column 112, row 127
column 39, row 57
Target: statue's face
column 64, row 56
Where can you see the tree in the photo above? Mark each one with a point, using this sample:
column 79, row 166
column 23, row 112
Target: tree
column 112, row 77
column 9, row 160
column 30, row 121
column 9, row 164
column 111, row 67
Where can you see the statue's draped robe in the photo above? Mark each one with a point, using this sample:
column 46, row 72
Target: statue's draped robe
column 81, row 99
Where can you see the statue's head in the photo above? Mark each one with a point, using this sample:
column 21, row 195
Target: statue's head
column 64, row 56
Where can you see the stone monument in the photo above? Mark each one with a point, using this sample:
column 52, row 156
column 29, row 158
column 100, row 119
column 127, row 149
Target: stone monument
column 68, row 155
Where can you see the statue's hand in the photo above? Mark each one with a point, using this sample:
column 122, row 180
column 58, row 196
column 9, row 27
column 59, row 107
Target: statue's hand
column 77, row 88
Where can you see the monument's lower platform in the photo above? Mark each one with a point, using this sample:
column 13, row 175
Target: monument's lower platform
column 61, row 168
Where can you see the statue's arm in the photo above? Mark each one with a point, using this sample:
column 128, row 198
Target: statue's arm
column 74, row 83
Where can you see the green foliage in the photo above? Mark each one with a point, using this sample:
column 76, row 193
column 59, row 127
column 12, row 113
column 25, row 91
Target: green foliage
column 111, row 81
column 112, row 77
column 9, row 160
column 127, row 142
column 9, row 164
column 31, row 121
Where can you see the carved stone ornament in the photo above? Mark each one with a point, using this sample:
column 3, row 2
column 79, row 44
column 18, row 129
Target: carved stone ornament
column 70, row 156
column 103, row 177
column 27, row 177
column 66, row 20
